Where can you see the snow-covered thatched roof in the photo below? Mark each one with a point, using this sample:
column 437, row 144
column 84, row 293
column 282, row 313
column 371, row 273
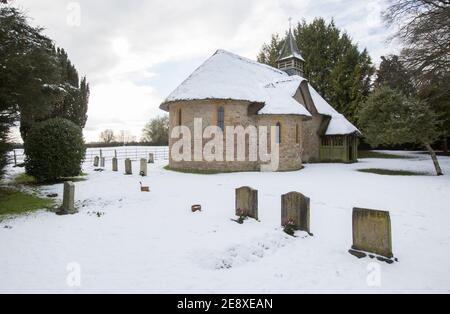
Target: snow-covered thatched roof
column 229, row 76
column 338, row 125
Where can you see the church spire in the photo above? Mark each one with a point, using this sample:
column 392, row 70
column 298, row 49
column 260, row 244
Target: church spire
column 290, row 59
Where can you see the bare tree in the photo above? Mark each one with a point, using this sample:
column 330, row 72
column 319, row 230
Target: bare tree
column 125, row 137
column 424, row 28
column 107, row 136
column 156, row 131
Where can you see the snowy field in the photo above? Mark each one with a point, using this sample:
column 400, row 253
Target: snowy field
column 152, row 243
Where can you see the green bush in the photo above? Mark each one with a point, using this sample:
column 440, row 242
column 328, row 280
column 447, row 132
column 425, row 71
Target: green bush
column 54, row 149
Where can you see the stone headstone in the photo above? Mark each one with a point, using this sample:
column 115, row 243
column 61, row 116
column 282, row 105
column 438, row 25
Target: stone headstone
column 115, row 165
column 128, row 167
column 247, row 202
column 68, row 206
column 151, row 158
column 295, row 207
column 102, row 162
column 96, row 161
column 372, row 232
column 143, row 168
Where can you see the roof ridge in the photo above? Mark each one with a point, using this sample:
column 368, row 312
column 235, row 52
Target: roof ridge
column 250, row 61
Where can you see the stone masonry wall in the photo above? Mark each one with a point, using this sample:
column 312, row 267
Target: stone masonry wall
column 236, row 114
column 311, row 139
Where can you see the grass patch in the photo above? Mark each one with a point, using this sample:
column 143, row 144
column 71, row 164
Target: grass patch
column 14, row 202
column 374, row 154
column 386, row 172
column 25, row 179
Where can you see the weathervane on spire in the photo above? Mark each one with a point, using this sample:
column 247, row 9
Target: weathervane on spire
column 290, row 23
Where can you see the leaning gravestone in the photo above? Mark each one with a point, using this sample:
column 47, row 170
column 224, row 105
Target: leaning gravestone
column 295, row 210
column 102, row 162
column 143, row 168
column 151, row 158
column 96, row 161
column 247, row 202
column 372, row 233
column 115, row 166
column 128, row 168
column 68, row 207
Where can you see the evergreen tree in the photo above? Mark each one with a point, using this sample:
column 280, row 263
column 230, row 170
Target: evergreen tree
column 25, row 67
column 389, row 117
column 393, row 73
column 37, row 80
column 334, row 65
column 270, row 52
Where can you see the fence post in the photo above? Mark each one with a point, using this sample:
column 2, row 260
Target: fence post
column 101, row 154
column 15, row 158
column 115, row 153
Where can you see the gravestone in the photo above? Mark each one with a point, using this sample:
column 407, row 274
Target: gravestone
column 143, row 168
column 247, row 202
column 115, row 165
column 295, row 209
column 96, row 161
column 102, row 162
column 151, row 158
column 68, row 207
column 128, row 167
column 371, row 233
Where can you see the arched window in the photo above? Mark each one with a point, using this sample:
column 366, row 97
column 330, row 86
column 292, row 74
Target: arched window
column 221, row 118
column 278, row 134
column 179, row 118
column 297, row 134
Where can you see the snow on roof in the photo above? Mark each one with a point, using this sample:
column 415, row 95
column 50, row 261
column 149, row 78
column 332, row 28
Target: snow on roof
column 280, row 97
column 294, row 55
column 228, row 76
column 339, row 125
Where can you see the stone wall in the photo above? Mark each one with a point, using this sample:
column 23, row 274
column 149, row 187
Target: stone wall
column 236, row 114
column 311, row 139
column 290, row 150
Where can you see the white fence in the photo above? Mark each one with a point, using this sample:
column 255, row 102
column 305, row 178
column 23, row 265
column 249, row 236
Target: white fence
column 123, row 152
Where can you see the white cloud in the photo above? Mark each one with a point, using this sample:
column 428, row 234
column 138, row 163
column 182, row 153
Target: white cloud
column 120, row 44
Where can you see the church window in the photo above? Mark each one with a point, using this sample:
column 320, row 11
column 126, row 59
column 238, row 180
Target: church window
column 179, row 118
column 278, row 133
column 221, row 118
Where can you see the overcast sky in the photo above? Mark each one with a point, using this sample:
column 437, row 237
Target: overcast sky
column 136, row 52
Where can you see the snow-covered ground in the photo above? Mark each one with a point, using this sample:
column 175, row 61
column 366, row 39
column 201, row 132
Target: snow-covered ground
column 153, row 243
